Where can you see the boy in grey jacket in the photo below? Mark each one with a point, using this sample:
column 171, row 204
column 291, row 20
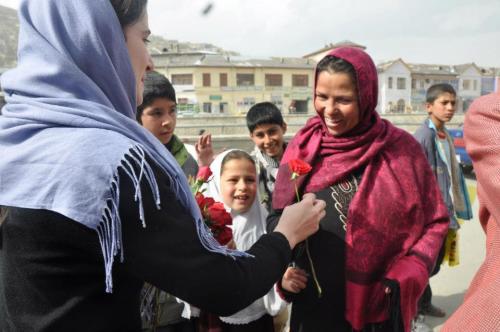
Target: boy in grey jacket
column 440, row 152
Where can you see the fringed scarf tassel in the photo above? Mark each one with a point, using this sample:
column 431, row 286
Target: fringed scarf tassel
column 110, row 228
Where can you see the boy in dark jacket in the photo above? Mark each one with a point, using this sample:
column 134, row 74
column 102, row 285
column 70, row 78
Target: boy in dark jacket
column 267, row 129
column 440, row 152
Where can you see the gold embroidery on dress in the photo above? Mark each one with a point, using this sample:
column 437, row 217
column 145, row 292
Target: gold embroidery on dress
column 342, row 194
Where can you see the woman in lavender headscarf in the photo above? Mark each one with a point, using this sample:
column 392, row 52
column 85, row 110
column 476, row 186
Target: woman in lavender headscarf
column 82, row 184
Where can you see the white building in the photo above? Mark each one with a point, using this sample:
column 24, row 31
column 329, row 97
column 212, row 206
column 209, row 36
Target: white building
column 403, row 86
column 469, row 84
column 394, row 79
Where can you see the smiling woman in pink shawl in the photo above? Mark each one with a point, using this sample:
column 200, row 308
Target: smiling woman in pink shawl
column 385, row 216
column 480, row 311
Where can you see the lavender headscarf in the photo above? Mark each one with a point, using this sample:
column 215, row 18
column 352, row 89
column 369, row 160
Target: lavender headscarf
column 69, row 123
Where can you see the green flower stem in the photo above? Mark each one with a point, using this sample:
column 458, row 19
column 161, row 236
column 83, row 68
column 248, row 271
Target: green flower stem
column 297, row 192
column 316, row 282
column 318, row 287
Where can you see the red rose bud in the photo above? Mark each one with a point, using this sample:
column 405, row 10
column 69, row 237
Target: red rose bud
column 298, row 168
column 204, row 174
column 219, row 216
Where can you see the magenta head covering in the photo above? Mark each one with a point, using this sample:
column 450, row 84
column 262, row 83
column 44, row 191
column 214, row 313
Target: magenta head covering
column 397, row 220
column 366, row 83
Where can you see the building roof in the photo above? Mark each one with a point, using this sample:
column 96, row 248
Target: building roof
column 420, row 68
column 331, row 46
column 381, row 67
column 219, row 60
column 432, row 69
column 490, row 71
column 460, row 69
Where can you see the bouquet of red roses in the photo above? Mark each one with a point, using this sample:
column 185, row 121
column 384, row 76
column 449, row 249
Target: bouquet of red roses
column 214, row 213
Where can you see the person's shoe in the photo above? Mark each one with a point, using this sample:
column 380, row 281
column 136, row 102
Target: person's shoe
column 418, row 324
column 432, row 310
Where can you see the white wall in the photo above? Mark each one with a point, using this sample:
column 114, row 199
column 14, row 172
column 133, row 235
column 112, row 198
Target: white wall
column 392, row 94
column 471, row 75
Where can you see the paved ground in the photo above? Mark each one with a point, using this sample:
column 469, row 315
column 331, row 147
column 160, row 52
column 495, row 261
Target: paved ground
column 450, row 284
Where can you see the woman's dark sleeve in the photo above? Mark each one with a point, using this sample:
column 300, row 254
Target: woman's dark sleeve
column 168, row 254
column 272, row 221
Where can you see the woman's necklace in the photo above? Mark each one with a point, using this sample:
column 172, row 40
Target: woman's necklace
column 342, row 194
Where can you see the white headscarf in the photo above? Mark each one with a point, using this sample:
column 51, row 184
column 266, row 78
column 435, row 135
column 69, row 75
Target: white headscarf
column 247, row 228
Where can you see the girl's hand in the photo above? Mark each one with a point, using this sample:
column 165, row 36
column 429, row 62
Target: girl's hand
column 205, row 150
column 294, row 280
column 231, row 245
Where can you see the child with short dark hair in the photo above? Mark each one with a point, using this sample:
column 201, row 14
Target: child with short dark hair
column 158, row 114
column 440, row 152
column 267, row 129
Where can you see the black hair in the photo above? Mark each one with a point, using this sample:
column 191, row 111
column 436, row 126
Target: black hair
column 436, row 90
column 129, row 11
column 155, row 86
column 332, row 64
column 235, row 155
column 264, row 113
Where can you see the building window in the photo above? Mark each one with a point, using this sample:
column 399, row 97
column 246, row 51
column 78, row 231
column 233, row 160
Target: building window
column 207, row 107
column 223, row 79
column 389, row 83
column 466, row 84
column 475, row 85
column 274, row 80
column 401, row 106
column 245, row 80
column 248, row 102
column 422, row 84
column 182, row 79
column 206, row 79
column 401, row 83
column 277, row 100
column 390, row 107
column 413, row 84
column 300, row 80
column 298, row 106
column 223, row 107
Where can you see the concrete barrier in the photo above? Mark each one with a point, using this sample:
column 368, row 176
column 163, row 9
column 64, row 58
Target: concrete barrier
column 230, row 132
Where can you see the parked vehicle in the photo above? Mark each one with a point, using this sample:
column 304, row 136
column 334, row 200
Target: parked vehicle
column 461, row 154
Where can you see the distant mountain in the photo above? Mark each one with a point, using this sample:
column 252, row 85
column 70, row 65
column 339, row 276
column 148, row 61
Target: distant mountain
column 9, row 28
column 160, row 45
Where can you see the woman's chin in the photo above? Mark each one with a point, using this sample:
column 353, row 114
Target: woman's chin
column 336, row 130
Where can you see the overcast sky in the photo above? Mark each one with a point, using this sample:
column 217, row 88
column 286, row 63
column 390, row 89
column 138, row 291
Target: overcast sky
column 420, row 31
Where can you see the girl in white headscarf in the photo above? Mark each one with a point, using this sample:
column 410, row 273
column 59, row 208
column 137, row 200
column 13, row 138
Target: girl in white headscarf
column 234, row 183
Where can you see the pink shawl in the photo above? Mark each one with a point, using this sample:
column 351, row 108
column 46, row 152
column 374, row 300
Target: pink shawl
column 396, row 221
column 481, row 308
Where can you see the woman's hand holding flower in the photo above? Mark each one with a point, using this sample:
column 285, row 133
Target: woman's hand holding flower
column 301, row 220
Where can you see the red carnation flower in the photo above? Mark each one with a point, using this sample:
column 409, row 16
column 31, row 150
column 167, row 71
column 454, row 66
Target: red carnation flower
column 298, row 168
